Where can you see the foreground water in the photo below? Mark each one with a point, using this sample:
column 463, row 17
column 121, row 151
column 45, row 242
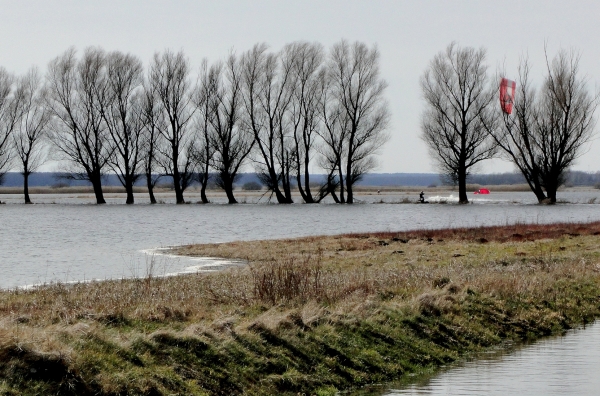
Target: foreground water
column 73, row 240
column 567, row 365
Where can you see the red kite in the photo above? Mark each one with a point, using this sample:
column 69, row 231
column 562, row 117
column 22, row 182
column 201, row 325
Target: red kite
column 507, row 95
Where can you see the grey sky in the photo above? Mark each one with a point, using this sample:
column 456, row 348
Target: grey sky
column 408, row 34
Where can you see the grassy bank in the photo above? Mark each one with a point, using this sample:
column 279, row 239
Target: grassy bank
column 307, row 316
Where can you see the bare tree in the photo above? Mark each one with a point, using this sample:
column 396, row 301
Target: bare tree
column 548, row 130
column 77, row 97
column 305, row 108
column 124, row 118
column 516, row 140
column 229, row 142
column 267, row 96
column 153, row 119
column 31, row 130
column 459, row 112
column 201, row 148
column 333, row 135
column 10, row 113
column 169, row 82
column 357, row 92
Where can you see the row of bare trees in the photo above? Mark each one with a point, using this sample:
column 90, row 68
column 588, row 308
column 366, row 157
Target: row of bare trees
column 547, row 131
column 287, row 113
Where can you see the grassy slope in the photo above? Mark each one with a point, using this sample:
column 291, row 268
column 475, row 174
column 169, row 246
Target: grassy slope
column 308, row 315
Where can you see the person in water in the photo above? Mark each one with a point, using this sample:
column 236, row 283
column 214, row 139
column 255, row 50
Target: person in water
column 422, row 197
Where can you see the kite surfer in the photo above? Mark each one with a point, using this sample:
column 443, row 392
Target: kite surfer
column 422, row 197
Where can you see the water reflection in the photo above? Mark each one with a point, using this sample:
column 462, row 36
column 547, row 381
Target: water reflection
column 566, row 365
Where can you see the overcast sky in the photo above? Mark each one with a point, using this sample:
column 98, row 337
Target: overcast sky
column 407, row 33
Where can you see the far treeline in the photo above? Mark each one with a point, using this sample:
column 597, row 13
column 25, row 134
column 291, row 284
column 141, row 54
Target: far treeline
column 251, row 181
column 284, row 112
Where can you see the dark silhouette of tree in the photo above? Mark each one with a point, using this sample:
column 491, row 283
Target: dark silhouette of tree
column 307, row 95
column 333, row 135
column 30, row 132
column 359, row 108
column 267, row 78
column 202, row 152
column 459, row 112
column 77, row 98
column 548, row 129
column 169, row 82
column 151, row 117
column 124, row 118
column 229, row 142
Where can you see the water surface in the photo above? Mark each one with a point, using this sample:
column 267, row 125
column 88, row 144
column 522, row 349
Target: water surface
column 565, row 365
column 67, row 238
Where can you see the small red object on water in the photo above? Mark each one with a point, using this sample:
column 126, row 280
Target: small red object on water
column 482, row 191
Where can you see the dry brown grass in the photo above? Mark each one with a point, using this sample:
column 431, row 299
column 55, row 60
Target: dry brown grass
column 323, row 269
column 301, row 283
column 505, row 261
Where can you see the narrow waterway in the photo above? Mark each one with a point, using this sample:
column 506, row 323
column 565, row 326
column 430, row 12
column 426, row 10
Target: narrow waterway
column 564, row 365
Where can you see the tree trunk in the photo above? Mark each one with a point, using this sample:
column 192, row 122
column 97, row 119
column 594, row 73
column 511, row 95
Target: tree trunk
column 229, row 192
column 286, row 182
column 551, row 185
column 150, row 188
column 349, row 160
column 203, row 182
column 462, row 185
column 342, row 196
column 203, row 193
column 551, row 191
column 334, row 195
column 26, row 187
column 539, row 192
column 349, row 193
column 177, row 184
column 309, row 198
column 280, row 197
column 97, row 184
column 541, row 197
column 304, row 196
column 129, row 190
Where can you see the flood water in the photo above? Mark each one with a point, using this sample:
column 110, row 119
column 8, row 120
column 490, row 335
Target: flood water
column 67, row 238
column 566, row 365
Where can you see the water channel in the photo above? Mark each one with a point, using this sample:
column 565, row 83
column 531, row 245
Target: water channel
column 564, row 365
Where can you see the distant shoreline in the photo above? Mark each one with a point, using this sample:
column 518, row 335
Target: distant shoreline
column 358, row 189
